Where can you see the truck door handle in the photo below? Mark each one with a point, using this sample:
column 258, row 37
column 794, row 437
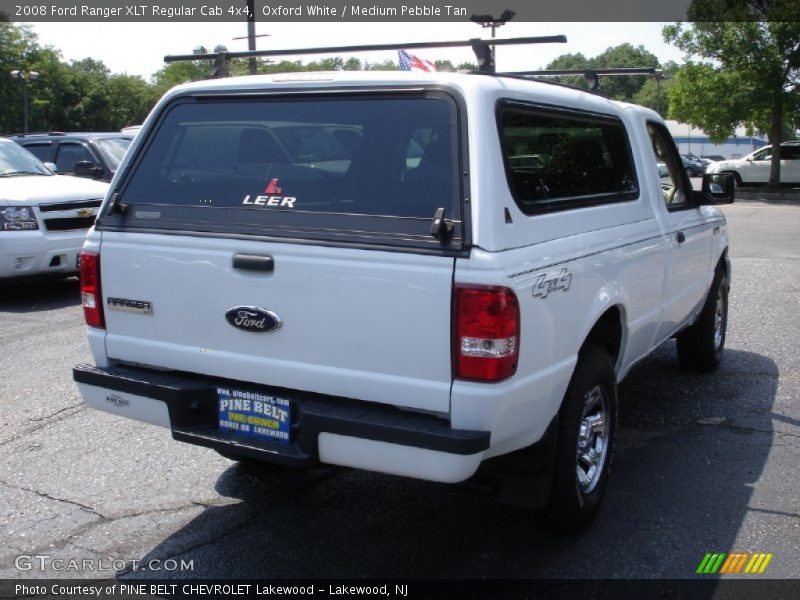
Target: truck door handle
column 254, row 262
column 680, row 237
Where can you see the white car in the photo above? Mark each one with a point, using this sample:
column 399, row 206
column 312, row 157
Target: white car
column 399, row 286
column 43, row 217
column 754, row 168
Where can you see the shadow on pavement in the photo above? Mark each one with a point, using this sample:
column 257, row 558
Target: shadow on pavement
column 787, row 197
column 690, row 448
column 35, row 296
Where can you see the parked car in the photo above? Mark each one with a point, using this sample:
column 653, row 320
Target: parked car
column 435, row 275
column 754, row 168
column 43, row 217
column 93, row 155
column 693, row 165
column 712, row 158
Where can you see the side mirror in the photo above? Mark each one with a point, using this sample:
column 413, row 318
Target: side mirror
column 720, row 187
column 51, row 166
column 86, row 168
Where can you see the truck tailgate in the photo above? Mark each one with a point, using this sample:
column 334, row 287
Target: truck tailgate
column 368, row 325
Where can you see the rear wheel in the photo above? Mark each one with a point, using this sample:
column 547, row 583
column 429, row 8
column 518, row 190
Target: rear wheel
column 701, row 345
column 586, row 429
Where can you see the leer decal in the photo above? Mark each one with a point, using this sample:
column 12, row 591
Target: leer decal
column 272, row 197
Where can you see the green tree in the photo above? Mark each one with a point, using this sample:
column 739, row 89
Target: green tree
column 177, row 73
column 654, row 93
column 570, row 62
column 352, row 64
column 741, row 72
column 624, row 88
column 18, row 52
column 83, row 95
column 444, row 66
column 335, row 63
column 387, row 65
column 130, row 98
column 284, row 66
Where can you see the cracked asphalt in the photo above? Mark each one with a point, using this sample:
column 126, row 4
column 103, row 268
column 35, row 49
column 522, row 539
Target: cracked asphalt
column 703, row 463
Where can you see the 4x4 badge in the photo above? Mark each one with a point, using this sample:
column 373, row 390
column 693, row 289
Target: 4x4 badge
column 252, row 318
column 544, row 284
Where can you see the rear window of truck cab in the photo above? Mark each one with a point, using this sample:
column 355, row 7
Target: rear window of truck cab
column 560, row 159
column 371, row 169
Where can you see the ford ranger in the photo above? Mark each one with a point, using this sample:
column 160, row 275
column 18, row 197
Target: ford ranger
column 434, row 275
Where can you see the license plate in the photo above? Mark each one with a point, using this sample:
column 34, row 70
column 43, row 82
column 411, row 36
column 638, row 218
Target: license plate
column 254, row 415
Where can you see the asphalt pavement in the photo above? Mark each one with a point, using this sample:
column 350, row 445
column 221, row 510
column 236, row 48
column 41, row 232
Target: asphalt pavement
column 704, row 463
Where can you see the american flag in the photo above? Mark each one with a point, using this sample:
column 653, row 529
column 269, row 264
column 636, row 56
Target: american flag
column 409, row 62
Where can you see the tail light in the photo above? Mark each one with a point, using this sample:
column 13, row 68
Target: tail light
column 91, row 295
column 486, row 333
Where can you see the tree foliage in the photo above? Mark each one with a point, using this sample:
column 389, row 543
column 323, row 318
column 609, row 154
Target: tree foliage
column 627, row 88
column 740, row 72
column 81, row 95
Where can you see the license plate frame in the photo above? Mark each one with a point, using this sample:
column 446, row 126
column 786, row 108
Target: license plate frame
column 254, row 415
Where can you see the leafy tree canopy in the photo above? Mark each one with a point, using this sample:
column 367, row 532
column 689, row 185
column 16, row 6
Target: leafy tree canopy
column 740, row 72
column 627, row 88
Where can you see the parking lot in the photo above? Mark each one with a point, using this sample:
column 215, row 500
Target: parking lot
column 704, row 463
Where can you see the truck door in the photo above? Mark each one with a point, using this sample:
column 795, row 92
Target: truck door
column 688, row 232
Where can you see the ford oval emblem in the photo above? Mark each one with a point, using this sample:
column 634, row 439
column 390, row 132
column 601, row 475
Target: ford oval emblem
column 252, row 318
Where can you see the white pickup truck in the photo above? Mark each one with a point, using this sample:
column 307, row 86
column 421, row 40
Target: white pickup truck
column 434, row 275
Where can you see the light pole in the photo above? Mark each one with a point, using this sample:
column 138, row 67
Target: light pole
column 487, row 21
column 24, row 78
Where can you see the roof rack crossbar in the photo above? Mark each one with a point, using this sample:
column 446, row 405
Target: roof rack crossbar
column 614, row 71
column 592, row 75
column 482, row 49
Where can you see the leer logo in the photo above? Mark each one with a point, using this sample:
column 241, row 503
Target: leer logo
column 272, row 197
column 272, row 188
column 716, row 562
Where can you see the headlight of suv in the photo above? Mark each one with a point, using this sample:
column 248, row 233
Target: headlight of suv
column 15, row 218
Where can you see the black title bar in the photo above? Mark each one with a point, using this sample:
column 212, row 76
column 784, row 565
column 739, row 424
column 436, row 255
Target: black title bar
column 132, row 11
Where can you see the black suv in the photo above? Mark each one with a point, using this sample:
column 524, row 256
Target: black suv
column 94, row 155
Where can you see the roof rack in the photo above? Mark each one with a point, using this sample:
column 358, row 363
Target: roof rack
column 35, row 133
column 592, row 75
column 484, row 51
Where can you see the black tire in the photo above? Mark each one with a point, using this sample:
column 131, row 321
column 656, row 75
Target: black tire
column 700, row 346
column 573, row 502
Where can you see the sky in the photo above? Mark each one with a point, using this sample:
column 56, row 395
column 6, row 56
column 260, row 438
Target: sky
column 139, row 48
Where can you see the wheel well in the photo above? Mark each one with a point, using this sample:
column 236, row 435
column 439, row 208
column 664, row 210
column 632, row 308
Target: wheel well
column 722, row 264
column 607, row 333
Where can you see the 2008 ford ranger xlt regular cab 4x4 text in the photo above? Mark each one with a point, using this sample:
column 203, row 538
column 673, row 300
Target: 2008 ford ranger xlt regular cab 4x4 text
column 435, row 275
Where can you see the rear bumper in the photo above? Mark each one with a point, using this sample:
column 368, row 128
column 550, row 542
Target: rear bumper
column 324, row 429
